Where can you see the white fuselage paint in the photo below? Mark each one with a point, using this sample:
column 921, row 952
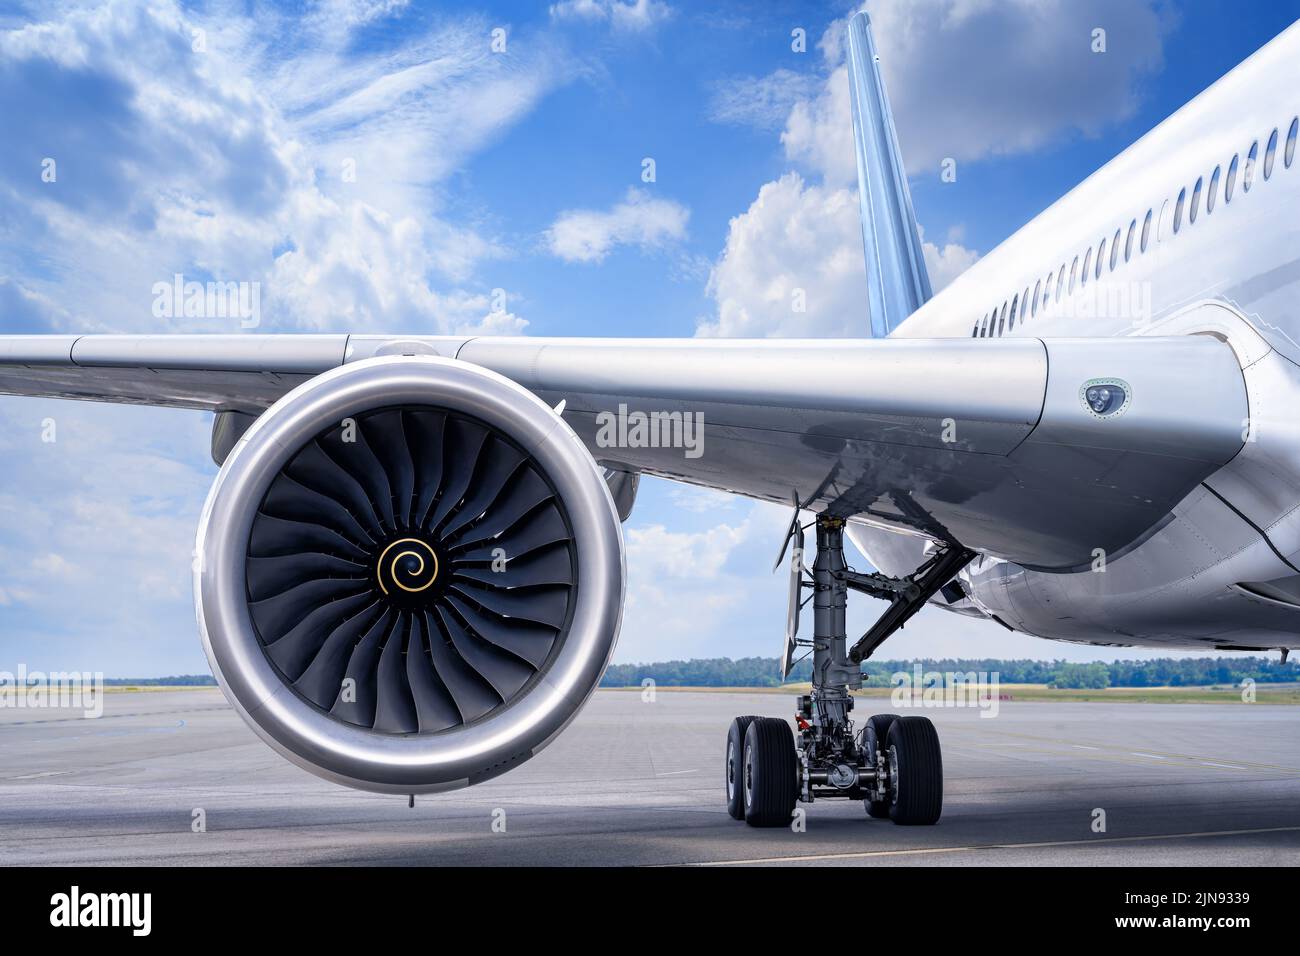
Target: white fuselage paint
column 1232, row 271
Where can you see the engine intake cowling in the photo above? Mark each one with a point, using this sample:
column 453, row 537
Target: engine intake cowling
column 410, row 575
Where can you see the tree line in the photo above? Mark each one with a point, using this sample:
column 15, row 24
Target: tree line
column 1161, row 672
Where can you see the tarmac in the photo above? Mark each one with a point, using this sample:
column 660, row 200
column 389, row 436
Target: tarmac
column 639, row 782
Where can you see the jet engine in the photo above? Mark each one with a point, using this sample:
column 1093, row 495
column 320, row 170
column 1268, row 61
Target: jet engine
column 409, row 575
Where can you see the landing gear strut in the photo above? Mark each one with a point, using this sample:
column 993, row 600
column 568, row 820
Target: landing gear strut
column 894, row 764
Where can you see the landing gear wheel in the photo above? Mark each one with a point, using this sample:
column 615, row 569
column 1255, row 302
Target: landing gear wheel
column 734, row 768
column 873, row 742
column 771, row 773
column 915, row 771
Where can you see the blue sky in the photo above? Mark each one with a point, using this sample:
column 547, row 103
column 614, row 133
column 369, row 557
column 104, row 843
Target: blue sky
column 215, row 140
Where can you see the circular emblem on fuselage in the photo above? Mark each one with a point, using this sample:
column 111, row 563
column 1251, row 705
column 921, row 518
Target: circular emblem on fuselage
column 1105, row 397
column 406, row 568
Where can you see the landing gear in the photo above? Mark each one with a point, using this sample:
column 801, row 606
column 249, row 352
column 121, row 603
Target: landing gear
column 894, row 764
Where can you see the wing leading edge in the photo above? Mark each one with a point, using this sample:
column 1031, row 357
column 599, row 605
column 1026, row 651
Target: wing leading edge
column 989, row 444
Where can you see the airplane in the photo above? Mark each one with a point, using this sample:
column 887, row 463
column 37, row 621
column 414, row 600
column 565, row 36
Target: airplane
column 409, row 573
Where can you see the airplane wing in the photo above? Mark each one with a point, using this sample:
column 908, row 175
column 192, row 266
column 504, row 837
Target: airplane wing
column 991, row 443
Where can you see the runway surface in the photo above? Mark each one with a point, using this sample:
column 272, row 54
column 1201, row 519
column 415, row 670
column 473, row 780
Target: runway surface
column 636, row 782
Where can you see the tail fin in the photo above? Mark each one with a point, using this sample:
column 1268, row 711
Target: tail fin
column 897, row 281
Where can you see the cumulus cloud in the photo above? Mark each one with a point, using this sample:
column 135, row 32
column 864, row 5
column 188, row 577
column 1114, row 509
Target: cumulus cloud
column 967, row 79
column 588, row 235
column 631, row 16
column 272, row 151
column 974, row 78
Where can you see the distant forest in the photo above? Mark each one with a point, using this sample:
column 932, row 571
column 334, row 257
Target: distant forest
column 1163, row 672
column 765, row 672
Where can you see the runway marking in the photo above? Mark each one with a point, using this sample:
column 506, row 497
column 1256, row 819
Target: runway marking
column 922, row 851
column 1134, row 753
column 1083, row 747
column 673, row 773
column 1225, row 766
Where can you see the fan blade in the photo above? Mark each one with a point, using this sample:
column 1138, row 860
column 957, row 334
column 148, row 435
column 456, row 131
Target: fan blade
column 425, row 431
column 434, row 708
column 497, row 464
column 276, row 615
column 294, row 502
column 474, row 697
column 321, row 681
column 550, row 566
column 528, row 642
column 356, row 458
column 387, row 438
column 293, row 652
column 524, row 493
column 395, row 711
column 547, row 606
column 279, row 537
column 506, row 673
column 360, row 710
column 463, row 443
column 316, row 470
column 268, row 577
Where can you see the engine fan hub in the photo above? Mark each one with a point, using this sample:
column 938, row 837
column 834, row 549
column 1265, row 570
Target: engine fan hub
column 406, row 572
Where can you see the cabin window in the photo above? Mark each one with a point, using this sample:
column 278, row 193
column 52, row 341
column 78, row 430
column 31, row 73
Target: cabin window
column 1101, row 257
column 1011, row 323
column 1146, row 230
column 1033, row 303
column 1024, row 306
column 1269, row 152
column 1087, row 261
column 1178, row 209
column 1114, row 249
column 1002, row 319
column 974, row 333
column 1214, row 190
column 1289, row 153
column 1128, row 243
column 1074, row 269
column 1248, row 174
column 1060, row 281
column 1231, row 180
column 1196, row 201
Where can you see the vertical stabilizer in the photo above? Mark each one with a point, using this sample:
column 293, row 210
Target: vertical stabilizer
column 896, row 278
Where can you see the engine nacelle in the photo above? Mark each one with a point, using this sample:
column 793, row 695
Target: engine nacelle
column 410, row 575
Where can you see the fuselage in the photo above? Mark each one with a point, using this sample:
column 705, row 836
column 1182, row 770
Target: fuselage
column 1192, row 230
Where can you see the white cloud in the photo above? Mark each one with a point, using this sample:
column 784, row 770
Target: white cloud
column 588, row 235
column 795, row 242
column 282, row 154
column 762, row 101
column 98, row 536
column 945, row 263
column 632, row 16
column 819, row 132
column 975, row 78
column 800, row 244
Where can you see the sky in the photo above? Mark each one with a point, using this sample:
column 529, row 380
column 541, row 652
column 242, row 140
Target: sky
column 600, row 167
